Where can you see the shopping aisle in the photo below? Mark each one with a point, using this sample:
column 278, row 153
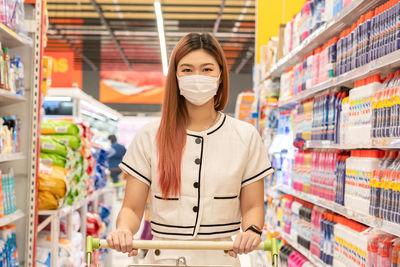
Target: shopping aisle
column 76, row 195
column 334, row 198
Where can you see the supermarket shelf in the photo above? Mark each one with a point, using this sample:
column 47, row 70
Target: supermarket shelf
column 7, row 98
column 382, row 143
column 330, row 29
column 325, row 144
column 11, row 157
column 306, row 253
column 18, row 214
column 69, row 209
column 386, row 143
column 10, row 39
column 383, row 225
column 380, row 65
column 288, row 103
column 392, row 228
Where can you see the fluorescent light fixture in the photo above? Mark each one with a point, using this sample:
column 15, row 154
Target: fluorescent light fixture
column 93, row 115
column 161, row 36
column 94, row 109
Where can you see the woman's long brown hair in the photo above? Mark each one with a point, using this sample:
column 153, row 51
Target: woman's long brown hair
column 171, row 135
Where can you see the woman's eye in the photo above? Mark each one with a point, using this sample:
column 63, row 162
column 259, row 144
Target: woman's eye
column 207, row 70
column 186, row 70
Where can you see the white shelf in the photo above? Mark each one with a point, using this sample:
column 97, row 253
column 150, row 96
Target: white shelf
column 379, row 143
column 307, row 94
column 69, row 209
column 386, row 143
column 306, row 253
column 383, row 64
column 371, row 221
column 11, row 157
column 10, row 39
column 321, row 36
column 8, row 98
column 6, row 220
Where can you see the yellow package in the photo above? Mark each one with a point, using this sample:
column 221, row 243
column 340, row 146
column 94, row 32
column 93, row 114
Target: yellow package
column 47, row 201
column 52, row 179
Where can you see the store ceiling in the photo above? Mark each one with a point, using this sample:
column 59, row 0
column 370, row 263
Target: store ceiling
column 122, row 34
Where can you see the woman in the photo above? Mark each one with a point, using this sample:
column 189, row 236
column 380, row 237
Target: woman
column 202, row 169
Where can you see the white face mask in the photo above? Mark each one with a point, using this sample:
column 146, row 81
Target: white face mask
column 198, row 89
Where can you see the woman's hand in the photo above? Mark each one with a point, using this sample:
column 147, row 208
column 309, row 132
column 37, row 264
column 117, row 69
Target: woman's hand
column 245, row 242
column 121, row 240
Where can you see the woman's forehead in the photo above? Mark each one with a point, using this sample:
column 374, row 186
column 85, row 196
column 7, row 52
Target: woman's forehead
column 197, row 57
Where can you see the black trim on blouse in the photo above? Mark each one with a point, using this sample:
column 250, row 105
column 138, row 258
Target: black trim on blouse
column 138, row 173
column 257, row 175
column 221, row 232
column 172, row 226
column 218, row 126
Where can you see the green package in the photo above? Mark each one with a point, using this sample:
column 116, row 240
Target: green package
column 59, row 127
column 52, row 159
column 71, row 141
column 51, row 145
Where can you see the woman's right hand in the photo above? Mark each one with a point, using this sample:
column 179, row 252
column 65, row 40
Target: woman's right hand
column 121, row 240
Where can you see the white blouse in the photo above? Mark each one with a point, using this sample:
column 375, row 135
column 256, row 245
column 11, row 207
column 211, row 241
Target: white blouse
column 216, row 164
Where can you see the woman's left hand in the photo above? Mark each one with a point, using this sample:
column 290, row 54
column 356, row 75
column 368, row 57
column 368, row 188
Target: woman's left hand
column 245, row 242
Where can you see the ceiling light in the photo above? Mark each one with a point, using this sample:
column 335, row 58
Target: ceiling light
column 161, row 36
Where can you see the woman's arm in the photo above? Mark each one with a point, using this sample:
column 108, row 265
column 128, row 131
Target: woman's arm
column 252, row 204
column 252, row 208
column 130, row 216
column 133, row 205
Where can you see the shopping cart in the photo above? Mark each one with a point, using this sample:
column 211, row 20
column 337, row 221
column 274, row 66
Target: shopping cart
column 94, row 243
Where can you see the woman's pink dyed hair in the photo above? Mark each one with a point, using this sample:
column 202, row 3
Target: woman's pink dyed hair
column 171, row 135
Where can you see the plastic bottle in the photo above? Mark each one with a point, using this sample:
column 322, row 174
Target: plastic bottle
column 390, row 206
column 385, row 252
column 332, row 56
column 19, row 87
column 383, row 181
column 344, row 117
column 2, row 82
column 6, row 60
column 315, row 65
column 332, row 116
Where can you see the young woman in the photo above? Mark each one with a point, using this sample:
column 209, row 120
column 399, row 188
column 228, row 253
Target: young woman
column 203, row 170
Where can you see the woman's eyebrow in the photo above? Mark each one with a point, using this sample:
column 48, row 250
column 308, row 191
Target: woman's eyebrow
column 186, row 65
column 206, row 64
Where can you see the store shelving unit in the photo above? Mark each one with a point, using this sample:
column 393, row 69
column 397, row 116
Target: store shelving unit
column 53, row 218
column 371, row 221
column 27, row 109
column 11, row 218
column 381, row 65
column 88, row 110
column 12, row 39
column 8, row 98
column 12, row 157
column 378, row 143
column 306, row 253
column 332, row 28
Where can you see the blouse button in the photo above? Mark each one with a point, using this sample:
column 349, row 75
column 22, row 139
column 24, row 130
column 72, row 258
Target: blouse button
column 195, row 209
column 198, row 140
column 157, row 252
column 197, row 161
column 196, row 185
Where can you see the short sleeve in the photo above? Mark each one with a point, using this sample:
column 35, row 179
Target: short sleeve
column 258, row 164
column 136, row 161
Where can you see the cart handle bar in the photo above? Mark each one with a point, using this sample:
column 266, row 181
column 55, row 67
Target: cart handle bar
column 95, row 243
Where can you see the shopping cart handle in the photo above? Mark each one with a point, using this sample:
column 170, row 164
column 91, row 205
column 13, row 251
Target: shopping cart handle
column 95, row 243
